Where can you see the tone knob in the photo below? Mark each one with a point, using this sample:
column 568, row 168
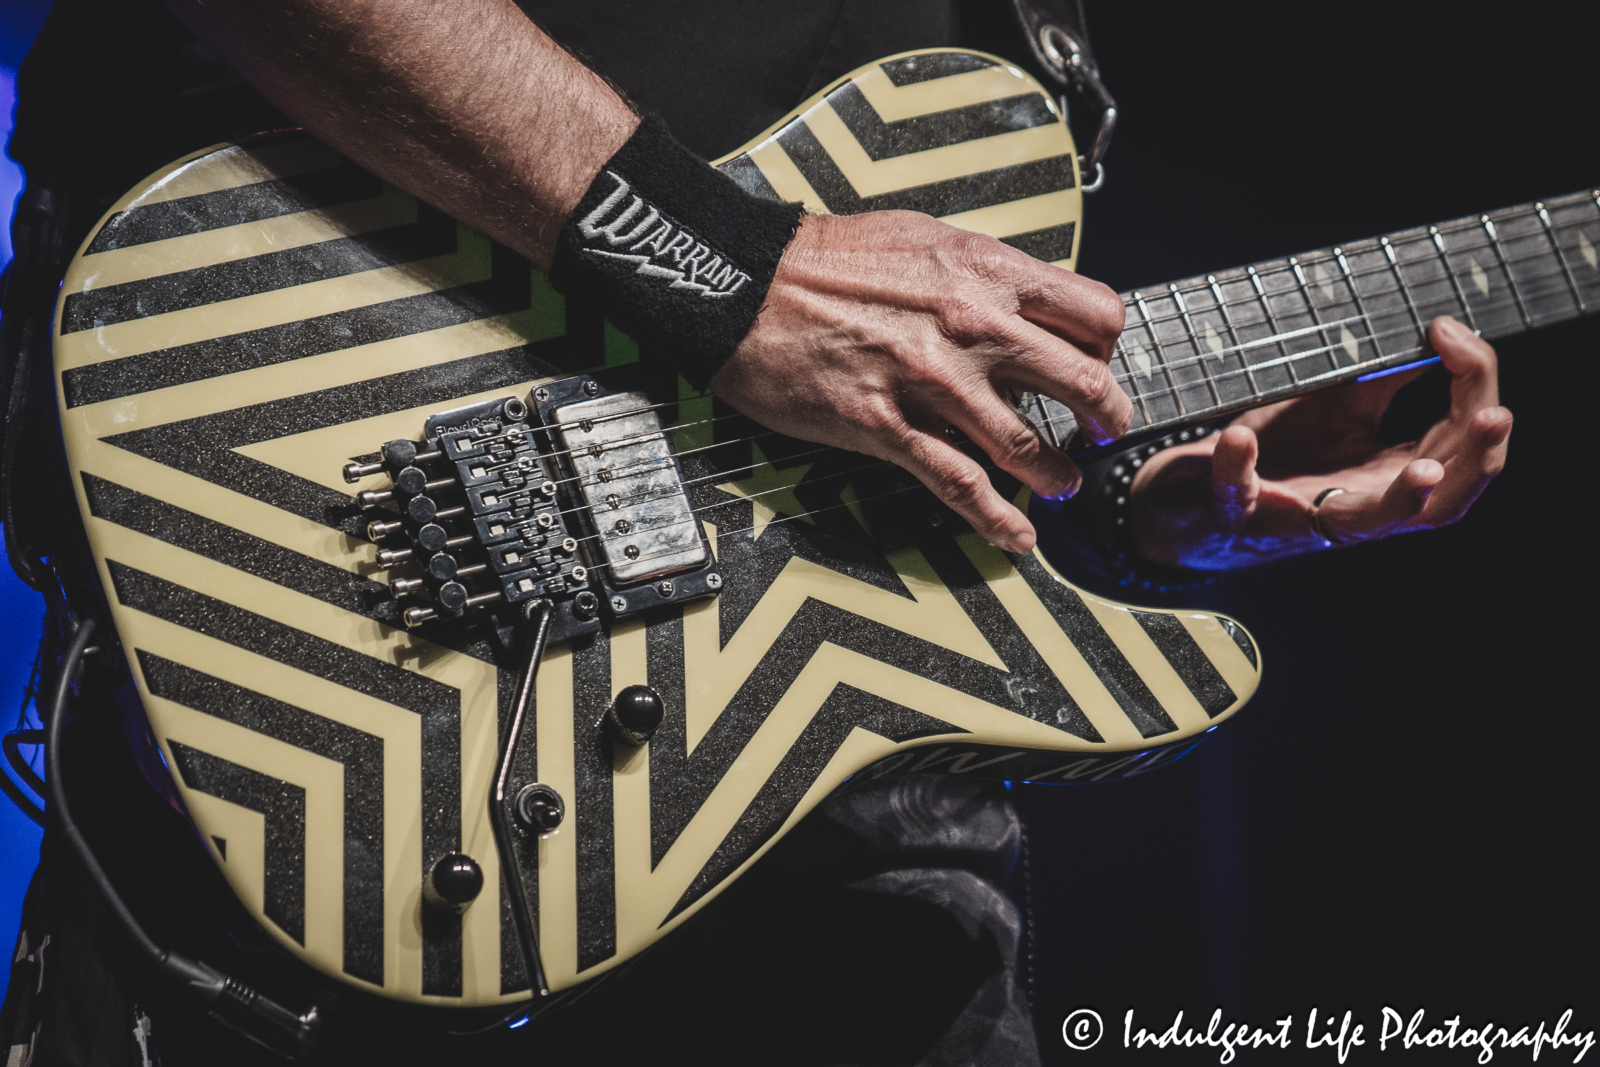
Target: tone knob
column 636, row 713
column 455, row 881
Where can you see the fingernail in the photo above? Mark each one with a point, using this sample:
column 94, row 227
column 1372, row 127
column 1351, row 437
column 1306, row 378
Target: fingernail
column 1453, row 328
column 1066, row 492
column 1023, row 543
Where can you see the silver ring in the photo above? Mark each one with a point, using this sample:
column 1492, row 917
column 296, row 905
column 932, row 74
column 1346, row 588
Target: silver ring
column 1316, row 523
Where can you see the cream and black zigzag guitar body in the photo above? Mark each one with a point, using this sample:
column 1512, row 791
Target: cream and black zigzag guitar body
column 253, row 323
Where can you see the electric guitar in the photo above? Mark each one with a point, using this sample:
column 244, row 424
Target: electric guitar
column 483, row 653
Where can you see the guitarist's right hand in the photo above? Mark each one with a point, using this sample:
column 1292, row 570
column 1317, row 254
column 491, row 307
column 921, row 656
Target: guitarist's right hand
column 882, row 330
column 879, row 331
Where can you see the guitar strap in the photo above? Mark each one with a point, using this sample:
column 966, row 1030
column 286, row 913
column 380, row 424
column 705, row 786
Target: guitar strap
column 33, row 495
column 1058, row 37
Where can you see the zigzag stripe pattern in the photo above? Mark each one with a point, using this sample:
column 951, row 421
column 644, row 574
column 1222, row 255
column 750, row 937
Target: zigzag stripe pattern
column 249, row 320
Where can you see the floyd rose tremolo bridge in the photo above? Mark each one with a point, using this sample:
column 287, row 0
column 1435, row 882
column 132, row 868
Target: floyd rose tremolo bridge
column 540, row 518
column 571, row 495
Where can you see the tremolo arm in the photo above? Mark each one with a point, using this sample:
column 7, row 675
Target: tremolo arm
column 535, row 519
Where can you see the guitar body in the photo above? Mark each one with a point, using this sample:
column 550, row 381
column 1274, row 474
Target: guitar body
column 251, row 319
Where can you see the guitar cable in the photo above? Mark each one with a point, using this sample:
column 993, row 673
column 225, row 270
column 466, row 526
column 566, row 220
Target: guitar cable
column 225, row 999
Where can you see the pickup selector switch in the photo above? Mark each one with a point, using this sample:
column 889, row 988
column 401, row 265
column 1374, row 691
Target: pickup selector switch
column 538, row 807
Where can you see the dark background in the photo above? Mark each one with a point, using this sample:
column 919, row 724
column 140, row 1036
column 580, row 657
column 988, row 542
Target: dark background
column 1403, row 815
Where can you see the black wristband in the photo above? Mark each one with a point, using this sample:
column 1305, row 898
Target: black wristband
column 673, row 251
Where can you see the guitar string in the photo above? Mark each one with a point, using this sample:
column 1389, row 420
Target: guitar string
column 1527, row 288
column 1370, row 338
column 1253, row 300
column 1259, row 300
column 990, row 467
column 873, row 463
column 1527, row 293
column 694, row 513
column 1157, row 294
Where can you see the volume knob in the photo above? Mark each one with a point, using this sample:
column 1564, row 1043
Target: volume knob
column 453, row 883
column 636, row 713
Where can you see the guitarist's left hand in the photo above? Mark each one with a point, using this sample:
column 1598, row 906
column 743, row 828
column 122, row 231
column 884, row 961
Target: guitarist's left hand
column 1246, row 495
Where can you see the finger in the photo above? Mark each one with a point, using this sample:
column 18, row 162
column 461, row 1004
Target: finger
column 1348, row 517
column 963, row 485
column 1234, row 484
column 1474, row 378
column 1039, row 361
column 1470, row 470
column 1013, row 443
column 1078, row 309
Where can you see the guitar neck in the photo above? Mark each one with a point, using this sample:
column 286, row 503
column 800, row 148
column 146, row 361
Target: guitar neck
column 1208, row 346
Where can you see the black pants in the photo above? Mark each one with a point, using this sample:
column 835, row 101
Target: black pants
column 878, row 932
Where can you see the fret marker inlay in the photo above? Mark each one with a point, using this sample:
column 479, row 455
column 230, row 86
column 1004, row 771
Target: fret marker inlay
column 1142, row 358
column 1347, row 341
column 1587, row 251
column 1479, row 278
column 1213, row 342
column 1324, row 280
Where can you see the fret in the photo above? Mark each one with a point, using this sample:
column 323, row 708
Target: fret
column 1561, row 257
column 1405, row 290
column 1577, row 226
column 1455, row 282
column 1305, row 336
column 1184, row 363
column 1233, row 334
column 1249, row 318
column 1130, row 384
column 1287, row 359
column 1046, row 425
column 1479, row 278
column 1160, row 352
column 1372, row 273
column 1215, row 342
column 1144, row 359
column 1327, row 348
column 1339, row 305
column 1228, row 341
column 1538, row 276
column 1511, row 282
column 1194, row 341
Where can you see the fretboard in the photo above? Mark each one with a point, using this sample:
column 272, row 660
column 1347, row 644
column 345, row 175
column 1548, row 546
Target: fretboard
column 1204, row 347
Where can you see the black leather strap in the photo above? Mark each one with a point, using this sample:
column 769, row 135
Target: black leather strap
column 1058, row 36
column 1038, row 15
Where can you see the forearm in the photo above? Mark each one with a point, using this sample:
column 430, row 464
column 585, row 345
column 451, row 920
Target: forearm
column 464, row 103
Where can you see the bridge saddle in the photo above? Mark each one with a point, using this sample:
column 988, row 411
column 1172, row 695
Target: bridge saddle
column 577, row 499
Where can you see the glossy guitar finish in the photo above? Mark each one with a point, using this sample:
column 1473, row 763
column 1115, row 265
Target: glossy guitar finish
column 249, row 320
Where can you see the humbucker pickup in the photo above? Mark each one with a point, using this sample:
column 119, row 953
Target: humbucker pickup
column 579, row 500
column 639, row 529
column 628, row 479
